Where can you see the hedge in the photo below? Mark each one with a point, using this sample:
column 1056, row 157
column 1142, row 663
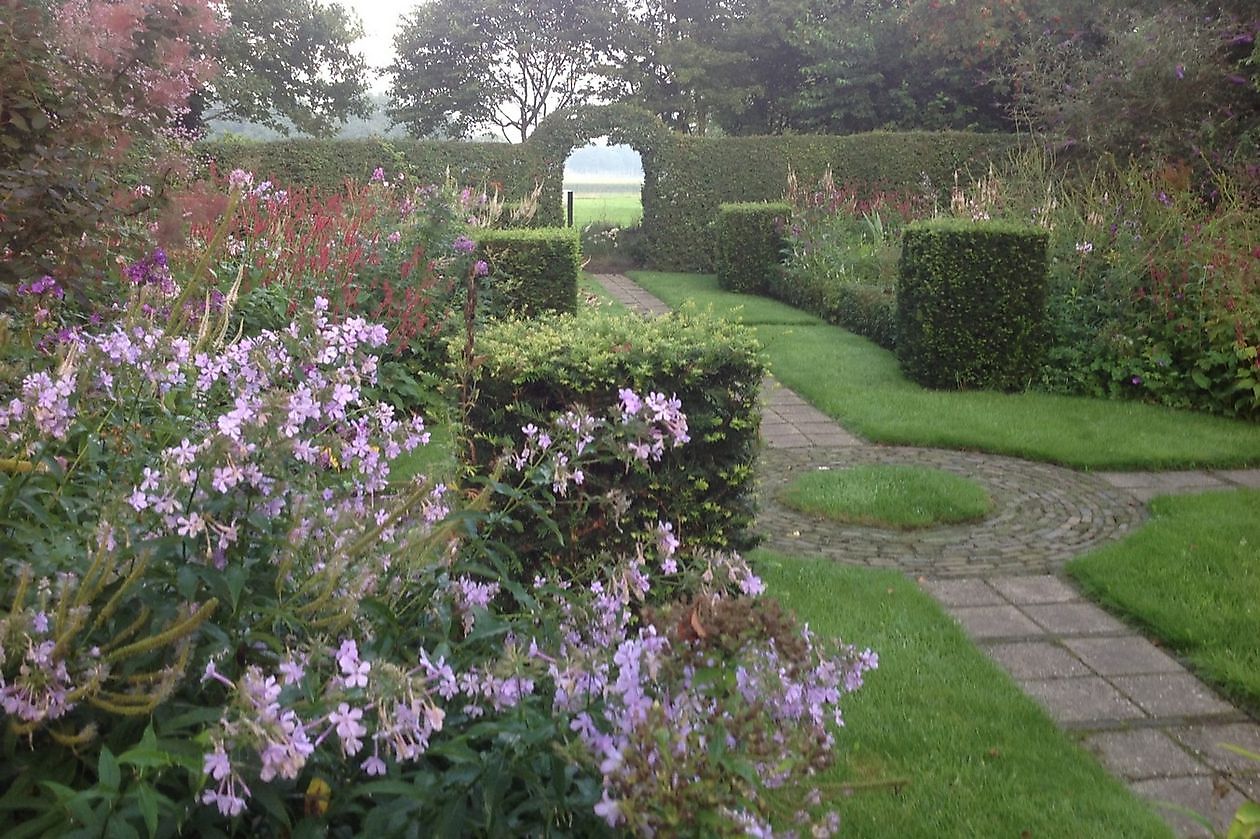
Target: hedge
column 531, row 271
column 685, row 179
column 971, row 303
column 690, row 177
column 749, row 244
column 862, row 308
column 529, row 370
column 326, row 164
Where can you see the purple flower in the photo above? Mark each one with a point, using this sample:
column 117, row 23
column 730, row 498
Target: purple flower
column 464, row 245
column 378, row 175
column 1136, row 380
column 481, row 268
column 44, row 285
column 1180, row 71
column 240, row 179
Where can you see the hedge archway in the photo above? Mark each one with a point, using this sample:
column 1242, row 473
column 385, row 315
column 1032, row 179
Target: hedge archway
column 569, row 129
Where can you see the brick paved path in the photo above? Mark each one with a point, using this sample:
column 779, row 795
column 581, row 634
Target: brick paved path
column 1147, row 718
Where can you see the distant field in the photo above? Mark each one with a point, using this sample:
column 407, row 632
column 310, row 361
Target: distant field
column 605, row 199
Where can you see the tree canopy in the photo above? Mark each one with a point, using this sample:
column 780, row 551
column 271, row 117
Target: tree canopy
column 463, row 65
column 287, row 63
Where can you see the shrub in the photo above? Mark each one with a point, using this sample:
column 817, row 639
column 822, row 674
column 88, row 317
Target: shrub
column 530, row 271
column 749, row 244
column 219, row 615
column 971, row 303
column 864, row 309
column 529, row 369
column 87, row 92
column 1154, row 279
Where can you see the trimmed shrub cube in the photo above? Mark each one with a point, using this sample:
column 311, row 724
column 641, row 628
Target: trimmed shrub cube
column 531, row 271
column 971, row 303
column 529, row 370
column 749, row 245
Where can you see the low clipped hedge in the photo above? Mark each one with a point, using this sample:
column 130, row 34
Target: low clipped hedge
column 749, row 244
column 531, row 270
column 971, row 302
column 529, row 370
column 865, row 309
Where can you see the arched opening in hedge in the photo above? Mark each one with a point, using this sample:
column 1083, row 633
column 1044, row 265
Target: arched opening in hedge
column 620, row 124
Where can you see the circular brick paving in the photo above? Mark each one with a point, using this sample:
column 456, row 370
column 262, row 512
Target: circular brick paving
column 1043, row 515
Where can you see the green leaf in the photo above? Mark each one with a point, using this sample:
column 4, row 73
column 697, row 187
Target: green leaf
column 147, row 801
column 119, row 828
column 75, row 803
column 107, row 771
column 1246, row 823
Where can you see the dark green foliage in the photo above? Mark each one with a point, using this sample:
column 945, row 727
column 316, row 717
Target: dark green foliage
column 328, row 163
column 749, row 245
column 287, row 63
column 686, row 180
column 971, row 303
column 531, row 271
column 532, row 369
column 866, row 309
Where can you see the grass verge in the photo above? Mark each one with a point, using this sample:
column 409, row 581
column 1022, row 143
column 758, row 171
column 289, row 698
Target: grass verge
column 860, row 384
column 982, row 758
column 888, row 496
column 1191, row 576
column 623, row 210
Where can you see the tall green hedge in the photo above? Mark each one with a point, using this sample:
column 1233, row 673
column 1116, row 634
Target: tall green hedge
column 326, row 164
column 530, row 271
column 690, row 177
column 528, row 370
column 971, row 303
column 749, row 244
column 685, row 179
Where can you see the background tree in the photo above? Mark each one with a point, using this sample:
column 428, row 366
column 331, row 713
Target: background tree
column 1178, row 82
column 287, row 64
column 465, row 65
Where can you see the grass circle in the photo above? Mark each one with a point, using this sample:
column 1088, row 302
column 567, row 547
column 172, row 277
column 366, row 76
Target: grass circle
column 906, row 497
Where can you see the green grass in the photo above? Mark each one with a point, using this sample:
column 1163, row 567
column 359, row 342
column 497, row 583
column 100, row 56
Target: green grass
column 1191, row 576
column 891, row 496
column 861, row 385
column 621, row 209
column 982, row 759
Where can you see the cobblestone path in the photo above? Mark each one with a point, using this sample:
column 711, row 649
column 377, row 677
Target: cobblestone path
column 1147, row 718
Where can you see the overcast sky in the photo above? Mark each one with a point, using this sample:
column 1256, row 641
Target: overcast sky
column 380, row 21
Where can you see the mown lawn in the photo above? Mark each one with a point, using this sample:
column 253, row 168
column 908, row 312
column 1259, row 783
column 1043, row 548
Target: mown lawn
column 980, row 758
column 887, row 496
column 860, row 384
column 621, row 209
column 1191, row 577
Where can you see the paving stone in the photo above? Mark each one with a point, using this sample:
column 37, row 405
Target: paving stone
column 1171, row 695
column 1142, row 753
column 1249, row 786
column 994, row 622
column 1042, row 588
column 971, row 592
column 1242, row 477
column 1074, row 619
column 1124, row 656
column 1210, row 797
column 1206, row 741
column 1085, row 700
column 1037, row 660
